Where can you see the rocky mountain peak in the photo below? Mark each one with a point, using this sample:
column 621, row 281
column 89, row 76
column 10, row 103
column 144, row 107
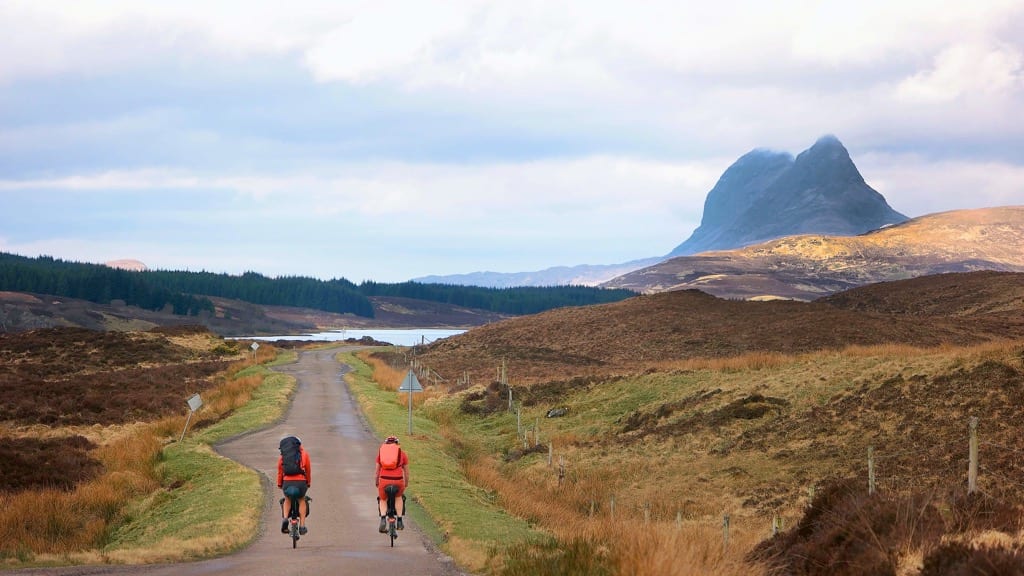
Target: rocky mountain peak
column 766, row 195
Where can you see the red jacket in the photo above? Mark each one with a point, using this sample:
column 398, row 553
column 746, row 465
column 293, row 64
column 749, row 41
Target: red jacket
column 306, row 466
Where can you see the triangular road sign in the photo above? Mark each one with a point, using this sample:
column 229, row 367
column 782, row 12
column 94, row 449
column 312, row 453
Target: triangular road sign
column 410, row 383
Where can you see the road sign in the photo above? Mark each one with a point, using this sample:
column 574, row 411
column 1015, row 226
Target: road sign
column 410, row 383
column 193, row 404
column 255, row 346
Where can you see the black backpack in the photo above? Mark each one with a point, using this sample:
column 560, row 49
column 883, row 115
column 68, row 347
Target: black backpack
column 291, row 456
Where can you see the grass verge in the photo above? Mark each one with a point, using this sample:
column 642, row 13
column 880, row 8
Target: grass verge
column 184, row 522
column 466, row 520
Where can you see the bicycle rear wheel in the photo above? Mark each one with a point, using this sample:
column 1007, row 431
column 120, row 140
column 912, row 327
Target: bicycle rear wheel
column 293, row 522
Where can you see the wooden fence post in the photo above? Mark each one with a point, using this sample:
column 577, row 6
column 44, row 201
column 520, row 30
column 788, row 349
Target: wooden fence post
column 725, row 532
column 972, row 466
column 871, row 470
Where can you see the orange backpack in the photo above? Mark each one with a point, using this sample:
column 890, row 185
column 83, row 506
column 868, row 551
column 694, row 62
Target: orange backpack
column 390, row 455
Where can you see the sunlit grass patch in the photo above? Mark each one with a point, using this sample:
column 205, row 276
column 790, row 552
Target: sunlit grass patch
column 213, row 508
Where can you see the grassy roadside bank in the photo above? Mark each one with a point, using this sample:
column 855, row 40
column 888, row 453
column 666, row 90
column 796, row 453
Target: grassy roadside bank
column 463, row 519
column 151, row 504
column 184, row 523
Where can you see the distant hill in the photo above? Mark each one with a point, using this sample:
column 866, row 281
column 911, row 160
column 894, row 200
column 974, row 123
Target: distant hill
column 763, row 195
column 127, row 264
column 582, row 275
column 766, row 195
column 642, row 331
column 810, row 266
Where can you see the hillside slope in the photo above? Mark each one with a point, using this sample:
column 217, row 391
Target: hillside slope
column 810, row 266
column 641, row 332
column 752, row 406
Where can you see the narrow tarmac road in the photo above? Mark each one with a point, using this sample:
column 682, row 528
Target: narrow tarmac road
column 343, row 537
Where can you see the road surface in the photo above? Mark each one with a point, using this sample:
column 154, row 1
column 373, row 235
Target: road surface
column 343, row 537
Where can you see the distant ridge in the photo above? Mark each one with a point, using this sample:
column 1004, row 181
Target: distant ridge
column 766, row 195
column 582, row 275
column 806, row 267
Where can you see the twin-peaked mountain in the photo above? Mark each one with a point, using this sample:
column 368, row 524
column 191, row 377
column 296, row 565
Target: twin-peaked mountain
column 766, row 195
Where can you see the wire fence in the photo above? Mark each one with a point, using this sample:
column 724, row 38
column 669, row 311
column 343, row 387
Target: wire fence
column 899, row 472
column 892, row 469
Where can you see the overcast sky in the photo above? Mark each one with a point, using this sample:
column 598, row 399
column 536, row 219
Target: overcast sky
column 380, row 140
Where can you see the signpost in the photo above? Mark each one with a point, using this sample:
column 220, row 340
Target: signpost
column 193, row 404
column 255, row 346
column 410, row 384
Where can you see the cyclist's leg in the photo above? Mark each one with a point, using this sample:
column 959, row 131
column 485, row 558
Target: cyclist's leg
column 400, row 499
column 299, row 495
column 382, row 506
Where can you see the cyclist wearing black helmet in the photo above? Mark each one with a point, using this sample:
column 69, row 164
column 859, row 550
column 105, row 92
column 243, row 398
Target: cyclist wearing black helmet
column 294, row 476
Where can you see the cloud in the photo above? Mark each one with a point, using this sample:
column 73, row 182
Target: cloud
column 917, row 185
column 544, row 133
column 595, row 209
column 967, row 69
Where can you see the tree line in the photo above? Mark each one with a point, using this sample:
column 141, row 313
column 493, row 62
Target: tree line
column 516, row 301
column 186, row 293
column 95, row 283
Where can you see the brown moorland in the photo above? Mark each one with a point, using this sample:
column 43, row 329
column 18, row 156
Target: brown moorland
column 645, row 331
column 68, row 379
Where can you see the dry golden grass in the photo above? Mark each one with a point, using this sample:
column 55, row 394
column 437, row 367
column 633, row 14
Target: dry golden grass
column 749, row 361
column 390, row 378
column 633, row 541
column 700, row 476
column 764, row 360
column 45, row 524
column 57, row 522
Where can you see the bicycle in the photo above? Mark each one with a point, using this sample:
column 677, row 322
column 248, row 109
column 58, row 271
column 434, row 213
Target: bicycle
column 392, row 515
column 293, row 517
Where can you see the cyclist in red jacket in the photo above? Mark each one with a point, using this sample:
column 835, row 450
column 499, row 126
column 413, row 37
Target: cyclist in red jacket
column 392, row 469
column 294, row 485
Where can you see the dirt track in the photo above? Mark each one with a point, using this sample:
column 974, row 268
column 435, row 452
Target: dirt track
column 343, row 537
